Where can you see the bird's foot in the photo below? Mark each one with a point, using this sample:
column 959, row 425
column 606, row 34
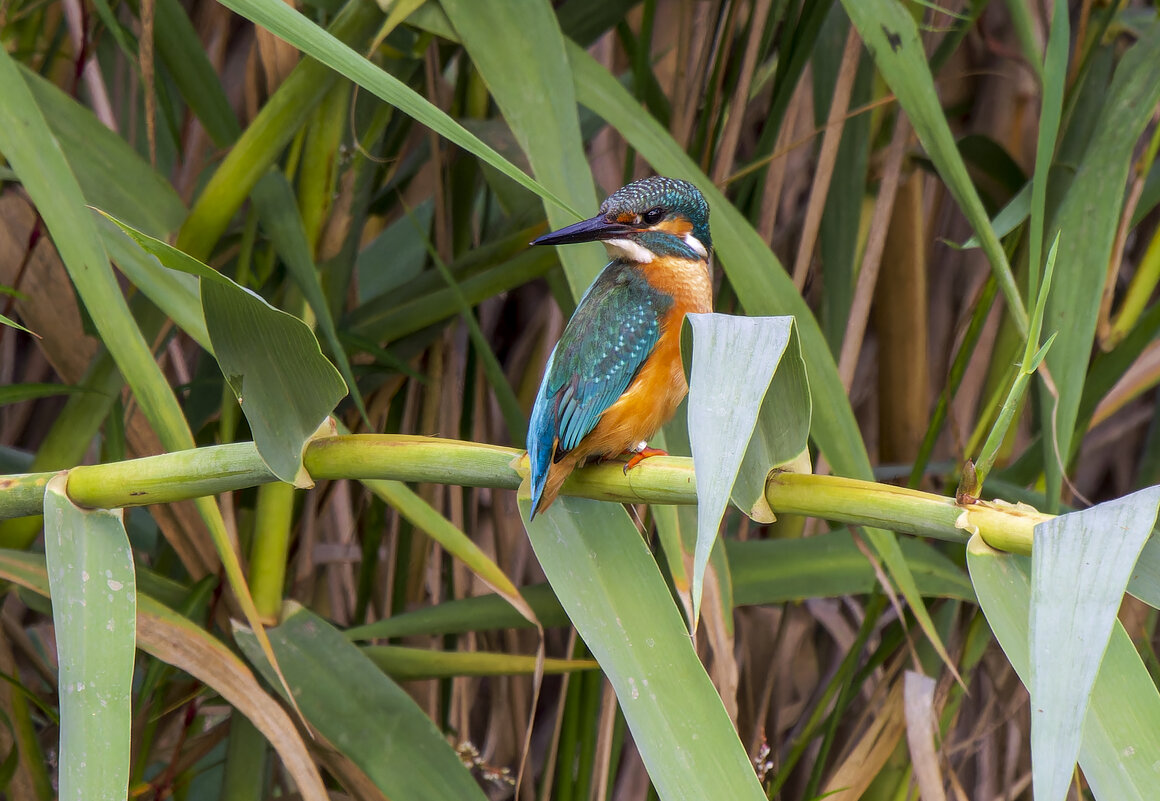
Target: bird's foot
column 639, row 456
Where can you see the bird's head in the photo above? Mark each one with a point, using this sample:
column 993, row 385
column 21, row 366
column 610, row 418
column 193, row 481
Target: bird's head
column 651, row 218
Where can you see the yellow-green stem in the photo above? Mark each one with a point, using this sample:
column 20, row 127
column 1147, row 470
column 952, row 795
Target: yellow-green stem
column 670, row 480
column 273, row 514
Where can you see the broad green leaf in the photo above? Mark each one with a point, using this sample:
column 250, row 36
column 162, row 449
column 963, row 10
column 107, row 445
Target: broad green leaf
column 479, row 613
column 379, row 728
column 411, row 664
column 184, row 55
column 278, row 211
column 830, row 565
column 614, row 594
column 94, row 611
column 395, row 256
column 1120, row 748
column 891, row 36
column 270, row 359
column 1088, row 218
column 111, row 174
column 539, row 104
column 1054, row 75
column 1145, row 581
column 735, row 363
column 286, row 23
column 1080, row 564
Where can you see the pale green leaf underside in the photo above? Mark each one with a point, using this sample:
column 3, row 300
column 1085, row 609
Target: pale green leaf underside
column 731, row 389
column 1080, row 563
column 94, row 612
column 1120, row 746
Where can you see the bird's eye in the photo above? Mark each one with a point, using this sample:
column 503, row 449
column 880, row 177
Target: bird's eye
column 654, row 215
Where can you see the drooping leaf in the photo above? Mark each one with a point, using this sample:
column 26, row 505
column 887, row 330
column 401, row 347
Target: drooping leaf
column 1120, row 744
column 1080, row 564
column 748, row 414
column 94, row 611
column 270, row 359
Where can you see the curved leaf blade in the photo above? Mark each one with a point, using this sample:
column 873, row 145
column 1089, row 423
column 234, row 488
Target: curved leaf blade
column 614, row 594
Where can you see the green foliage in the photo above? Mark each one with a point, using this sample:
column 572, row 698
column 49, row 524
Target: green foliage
column 349, row 188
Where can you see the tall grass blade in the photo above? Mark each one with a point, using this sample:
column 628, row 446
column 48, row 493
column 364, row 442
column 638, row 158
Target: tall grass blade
column 892, row 37
column 539, row 104
column 1088, row 218
column 614, row 594
column 288, row 24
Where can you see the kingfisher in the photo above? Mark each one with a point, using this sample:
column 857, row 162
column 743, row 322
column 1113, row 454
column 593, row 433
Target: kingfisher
column 616, row 375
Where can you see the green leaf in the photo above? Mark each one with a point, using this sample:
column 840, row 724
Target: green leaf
column 94, row 612
column 539, row 104
column 830, row 565
column 1080, row 565
column 13, row 324
column 891, row 36
column 614, row 594
column 274, row 200
column 270, row 359
column 286, row 23
column 15, row 393
column 111, row 174
column 1088, row 218
column 379, row 727
column 733, row 385
column 1120, row 744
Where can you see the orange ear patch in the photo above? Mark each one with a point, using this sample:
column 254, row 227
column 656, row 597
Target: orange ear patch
column 677, row 226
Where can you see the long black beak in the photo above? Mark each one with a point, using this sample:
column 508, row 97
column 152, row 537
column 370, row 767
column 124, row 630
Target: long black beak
column 592, row 230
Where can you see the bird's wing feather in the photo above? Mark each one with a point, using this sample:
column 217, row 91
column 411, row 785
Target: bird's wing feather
column 604, row 345
column 610, row 336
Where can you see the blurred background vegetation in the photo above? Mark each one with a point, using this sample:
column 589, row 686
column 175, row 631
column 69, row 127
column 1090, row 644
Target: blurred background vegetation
column 408, row 256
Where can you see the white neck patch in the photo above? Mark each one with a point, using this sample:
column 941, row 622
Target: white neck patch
column 696, row 245
column 629, row 250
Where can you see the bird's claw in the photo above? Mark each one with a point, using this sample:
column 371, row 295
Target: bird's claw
column 639, row 456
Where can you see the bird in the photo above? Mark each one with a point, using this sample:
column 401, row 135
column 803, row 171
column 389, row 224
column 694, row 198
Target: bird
column 616, row 375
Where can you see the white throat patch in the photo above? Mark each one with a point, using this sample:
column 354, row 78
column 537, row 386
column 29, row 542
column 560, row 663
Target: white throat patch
column 629, row 250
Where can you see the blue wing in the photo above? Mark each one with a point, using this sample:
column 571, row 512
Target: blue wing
column 611, row 334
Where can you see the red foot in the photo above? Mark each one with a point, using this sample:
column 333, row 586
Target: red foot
column 641, row 455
